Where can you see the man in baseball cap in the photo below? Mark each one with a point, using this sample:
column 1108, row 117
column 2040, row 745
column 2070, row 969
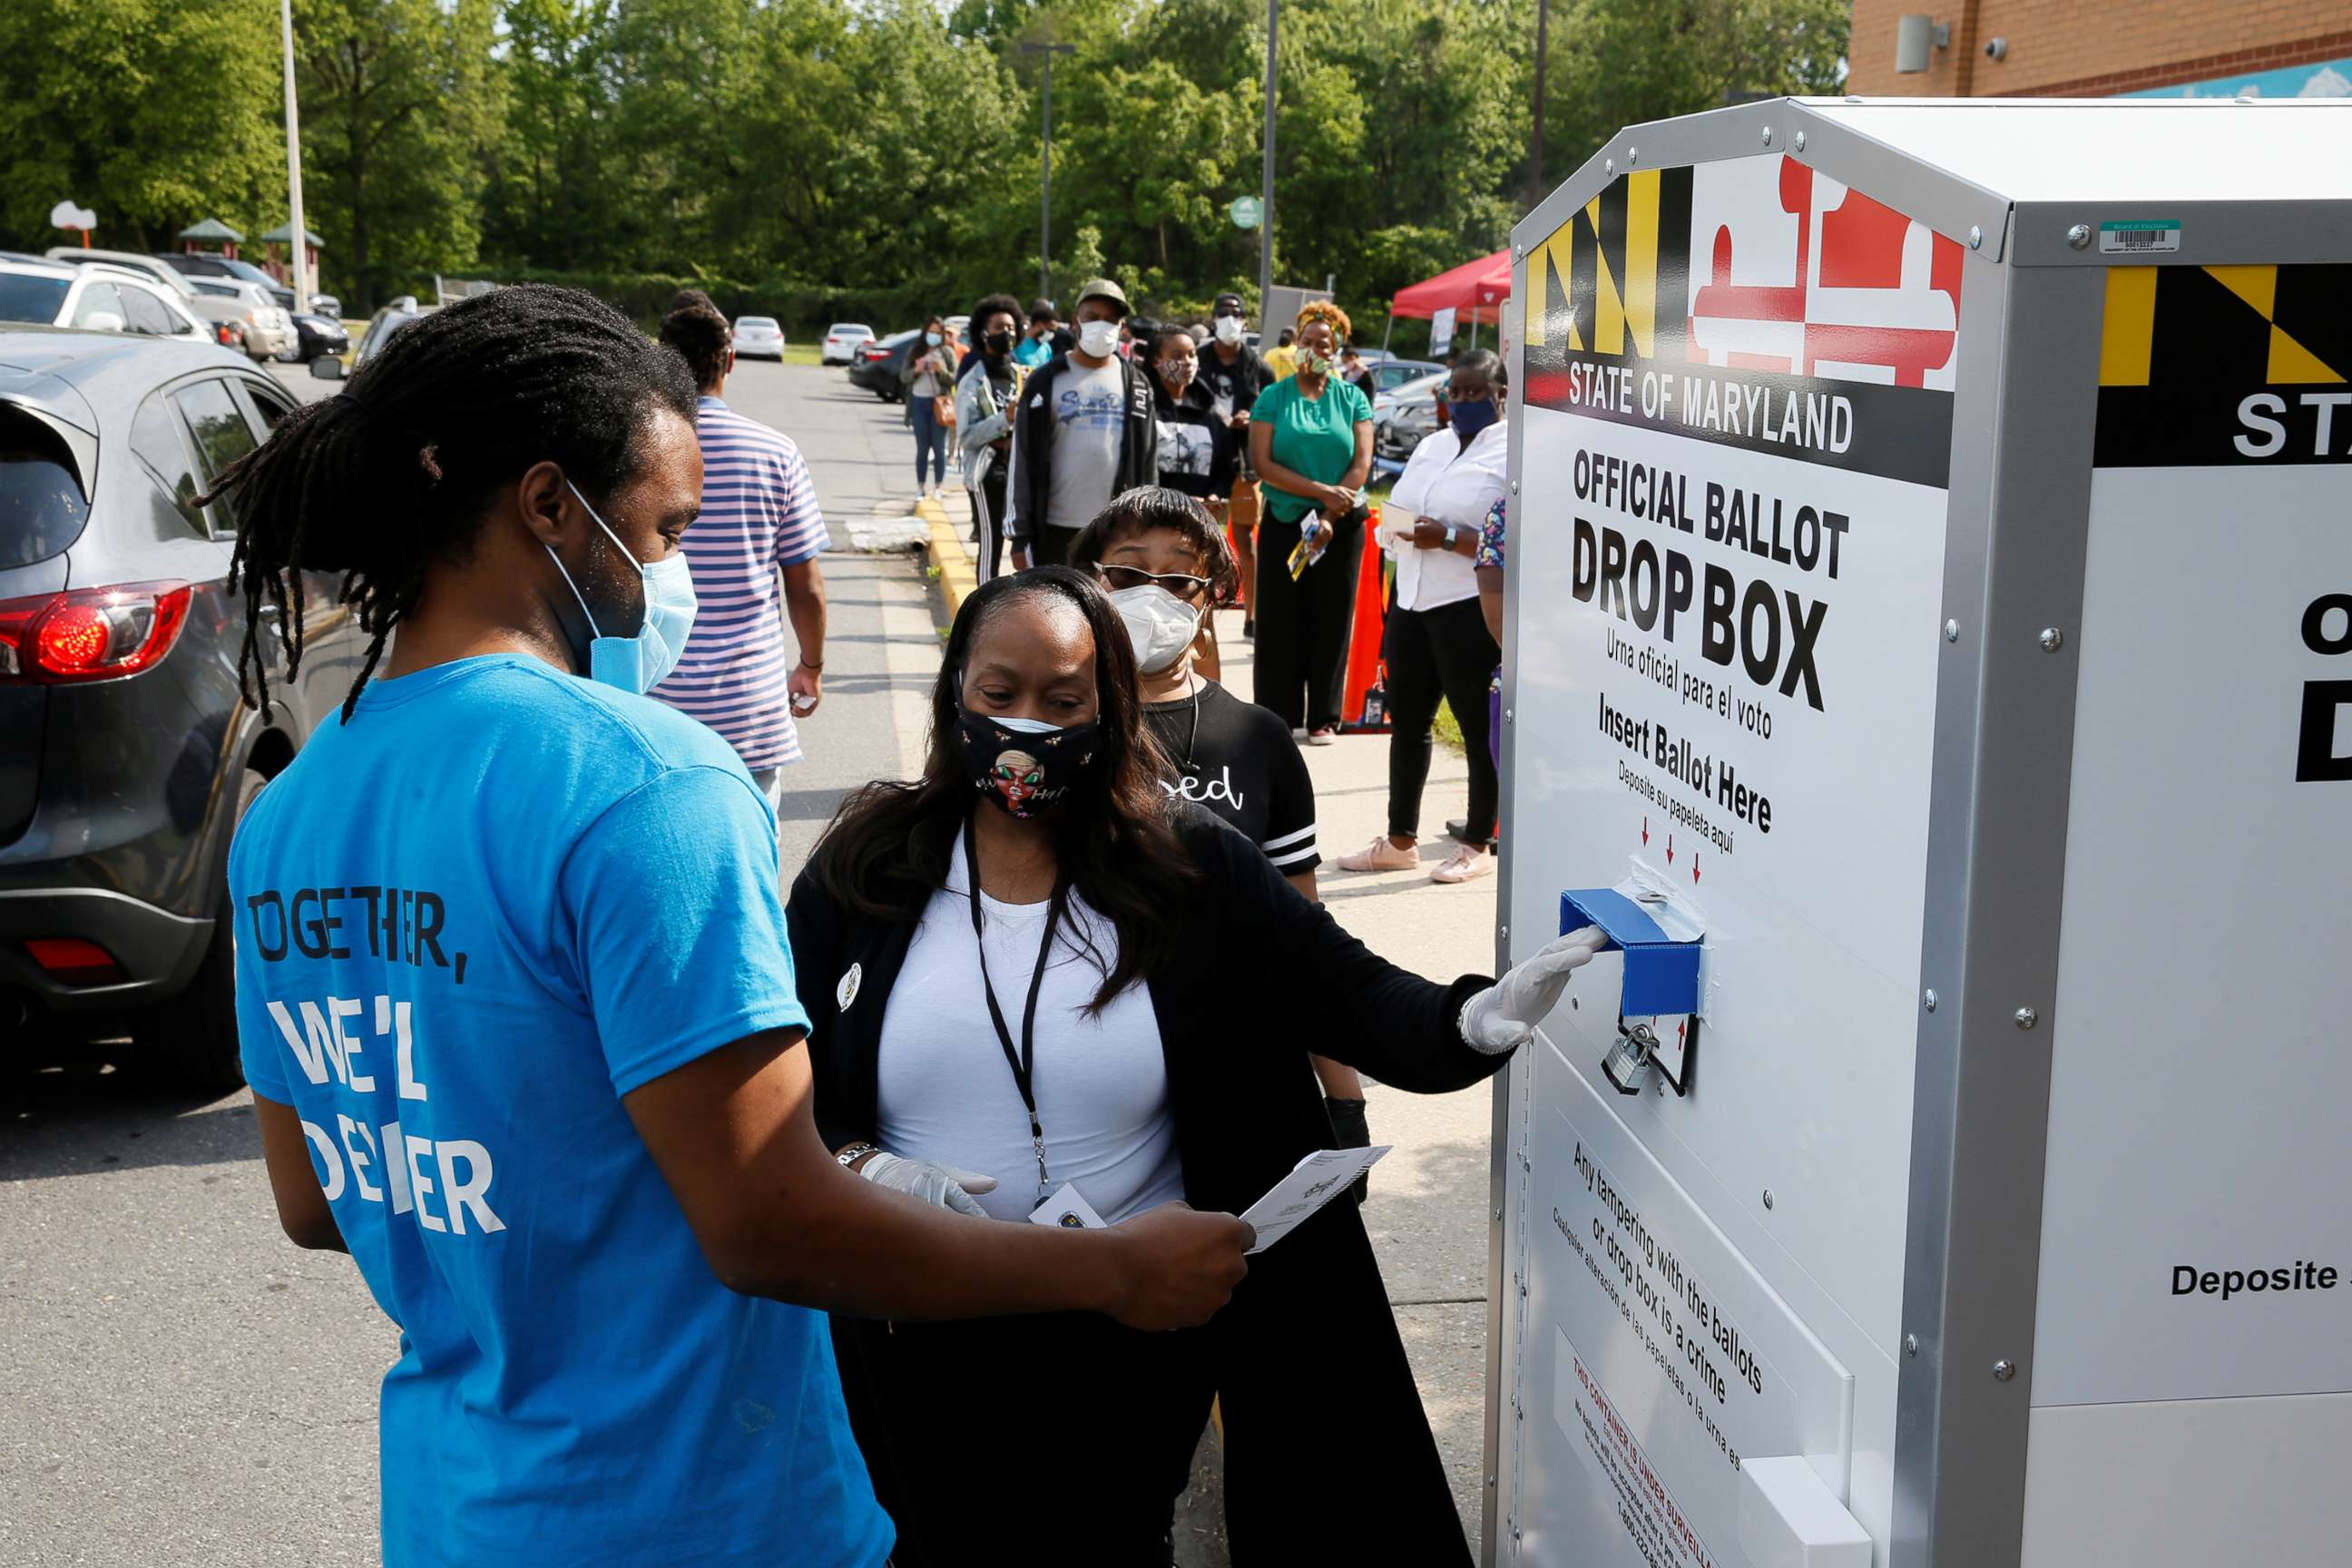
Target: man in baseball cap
column 1085, row 433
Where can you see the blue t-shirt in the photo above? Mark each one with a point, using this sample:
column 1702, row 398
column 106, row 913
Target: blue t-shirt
column 468, row 921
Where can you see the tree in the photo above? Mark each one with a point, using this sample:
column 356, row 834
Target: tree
column 156, row 114
column 399, row 104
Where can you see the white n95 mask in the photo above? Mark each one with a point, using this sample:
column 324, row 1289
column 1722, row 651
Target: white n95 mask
column 1099, row 337
column 642, row 662
column 1161, row 625
column 1229, row 329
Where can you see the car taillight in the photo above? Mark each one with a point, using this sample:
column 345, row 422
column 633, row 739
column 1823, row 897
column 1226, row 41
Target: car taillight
column 74, row 961
column 90, row 634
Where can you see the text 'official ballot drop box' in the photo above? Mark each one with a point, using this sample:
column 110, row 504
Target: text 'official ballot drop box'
column 1931, row 585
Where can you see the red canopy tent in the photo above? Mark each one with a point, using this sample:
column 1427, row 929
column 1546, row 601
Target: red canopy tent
column 1474, row 290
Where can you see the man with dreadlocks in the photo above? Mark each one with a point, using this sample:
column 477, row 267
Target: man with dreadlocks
column 517, row 1004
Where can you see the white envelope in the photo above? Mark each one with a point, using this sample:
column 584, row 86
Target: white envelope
column 1312, row 1183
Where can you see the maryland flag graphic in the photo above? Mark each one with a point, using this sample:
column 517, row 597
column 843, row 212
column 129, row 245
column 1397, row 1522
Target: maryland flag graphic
column 2207, row 365
column 1755, row 302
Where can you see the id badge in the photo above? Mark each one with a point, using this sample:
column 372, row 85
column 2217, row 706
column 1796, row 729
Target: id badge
column 1067, row 1211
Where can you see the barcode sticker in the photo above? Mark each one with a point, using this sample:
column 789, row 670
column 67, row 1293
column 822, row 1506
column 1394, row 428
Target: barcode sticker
column 2138, row 237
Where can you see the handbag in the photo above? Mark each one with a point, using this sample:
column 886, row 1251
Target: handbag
column 943, row 409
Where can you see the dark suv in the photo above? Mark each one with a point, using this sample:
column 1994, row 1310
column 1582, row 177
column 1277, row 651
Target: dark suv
column 126, row 752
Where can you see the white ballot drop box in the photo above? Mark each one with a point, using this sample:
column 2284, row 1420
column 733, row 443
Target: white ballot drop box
column 1931, row 661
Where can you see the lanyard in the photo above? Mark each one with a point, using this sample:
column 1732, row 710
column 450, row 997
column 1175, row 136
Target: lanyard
column 1024, row 1062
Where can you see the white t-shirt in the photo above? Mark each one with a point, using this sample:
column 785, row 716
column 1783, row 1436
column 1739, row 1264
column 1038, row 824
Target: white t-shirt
column 1445, row 482
column 947, row 1095
column 1090, row 424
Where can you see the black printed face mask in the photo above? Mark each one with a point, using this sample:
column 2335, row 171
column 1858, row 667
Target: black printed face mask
column 1024, row 765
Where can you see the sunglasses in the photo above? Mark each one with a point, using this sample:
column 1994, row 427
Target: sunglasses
column 1177, row 583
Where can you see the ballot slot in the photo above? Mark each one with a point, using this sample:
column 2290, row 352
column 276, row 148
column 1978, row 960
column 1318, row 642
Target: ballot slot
column 1659, row 1001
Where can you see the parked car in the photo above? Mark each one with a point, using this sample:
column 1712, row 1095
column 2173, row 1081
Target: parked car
column 147, row 267
column 204, row 264
column 1389, row 374
column 758, row 337
column 880, row 367
column 841, row 341
column 327, row 305
column 126, row 752
column 260, row 328
column 319, row 337
column 1401, row 418
column 387, row 321
column 95, row 298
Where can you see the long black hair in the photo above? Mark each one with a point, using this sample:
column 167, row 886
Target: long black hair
column 887, row 850
column 396, row 471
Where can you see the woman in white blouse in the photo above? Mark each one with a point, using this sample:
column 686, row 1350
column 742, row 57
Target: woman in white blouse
column 1436, row 642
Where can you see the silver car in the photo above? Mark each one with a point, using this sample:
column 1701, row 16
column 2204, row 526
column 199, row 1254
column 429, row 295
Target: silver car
column 264, row 331
column 758, row 337
column 96, row 298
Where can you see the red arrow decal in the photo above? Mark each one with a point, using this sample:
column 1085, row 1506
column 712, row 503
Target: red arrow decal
column 1646, row 830
column 1670, row 849
column 1682, row 1030
column 1694, row 869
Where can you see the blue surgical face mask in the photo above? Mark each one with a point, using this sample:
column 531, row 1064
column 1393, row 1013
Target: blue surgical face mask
column 642, row 662
column 931, row 340
column 1469, row 418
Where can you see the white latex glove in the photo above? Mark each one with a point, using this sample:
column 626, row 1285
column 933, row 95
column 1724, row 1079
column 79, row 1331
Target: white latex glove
column 942, row 1185
column 1503, row 1017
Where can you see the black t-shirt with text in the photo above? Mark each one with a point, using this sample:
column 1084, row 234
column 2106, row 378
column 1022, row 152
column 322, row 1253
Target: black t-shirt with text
column 1244, row 766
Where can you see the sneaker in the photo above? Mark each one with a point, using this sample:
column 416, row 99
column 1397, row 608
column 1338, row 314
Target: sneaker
column 1381, row 855
column 1322, row 737
column 1466, row 865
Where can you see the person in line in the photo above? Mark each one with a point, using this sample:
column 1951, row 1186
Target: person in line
column 1198, row 455
column 1166, row 566
column 1282, row 359
column 1045, row 337
column 931, row 403
column 1235, row 376
column 1311, row 444
column 1047, row 986
column 1436, row 642
column 1356, row 373
column 1085, row 433
column 987, row 390
column 752, row 557
column 543, row 1076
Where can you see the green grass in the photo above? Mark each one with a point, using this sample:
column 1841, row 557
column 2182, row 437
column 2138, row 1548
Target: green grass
column 801, row 353
column 1449, row 731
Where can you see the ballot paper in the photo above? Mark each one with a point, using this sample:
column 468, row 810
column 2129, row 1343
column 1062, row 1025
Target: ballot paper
column 1312, row 1183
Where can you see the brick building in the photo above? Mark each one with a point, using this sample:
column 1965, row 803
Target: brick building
column 2102, row 48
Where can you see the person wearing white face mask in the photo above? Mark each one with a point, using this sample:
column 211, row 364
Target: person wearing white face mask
column 1085, row 433
column 1234, row 375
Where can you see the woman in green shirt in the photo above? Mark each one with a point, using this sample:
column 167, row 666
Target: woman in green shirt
column 1311, row 444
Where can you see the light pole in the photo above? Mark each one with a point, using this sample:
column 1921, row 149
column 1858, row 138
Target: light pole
column 1266, row 232
column 1045, row 178
column 299, row 241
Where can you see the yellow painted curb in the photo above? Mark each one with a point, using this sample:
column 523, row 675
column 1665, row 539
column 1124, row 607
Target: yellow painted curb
column 957, row 577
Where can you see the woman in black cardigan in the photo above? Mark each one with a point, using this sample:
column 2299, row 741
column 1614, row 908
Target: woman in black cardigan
column 1066, row 1438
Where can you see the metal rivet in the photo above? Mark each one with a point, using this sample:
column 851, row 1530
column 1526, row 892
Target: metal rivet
column 2027, row 1017
column 1498, row 1217
column 1573, row 1003
column 1508, row 717
column 1911, row 1345
column 1514, row 486
column 1490, row 1479
column 1768, row 1198
column 1976, row 237
column 1800, row 140
column 1928, row 999
column 1608, row 165
column 2052, row 639
column 1632, row 154
column 2079, row 236
column 1503, row 932
column 1522, row 1290
column 2002, row 1371
column 1768, row 136
column 1951, row 631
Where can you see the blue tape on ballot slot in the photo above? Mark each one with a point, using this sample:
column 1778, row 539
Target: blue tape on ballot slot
column 1661, row 974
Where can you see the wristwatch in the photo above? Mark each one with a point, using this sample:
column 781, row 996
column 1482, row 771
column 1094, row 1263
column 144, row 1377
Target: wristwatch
column 855, row 1152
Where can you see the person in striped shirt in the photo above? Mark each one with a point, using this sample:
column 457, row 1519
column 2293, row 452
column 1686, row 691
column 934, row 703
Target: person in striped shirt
column 754, row 556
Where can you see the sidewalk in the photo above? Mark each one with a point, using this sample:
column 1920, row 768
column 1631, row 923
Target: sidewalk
column 1427, row 1215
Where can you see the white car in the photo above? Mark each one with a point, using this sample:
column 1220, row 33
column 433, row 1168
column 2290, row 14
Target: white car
column 260, row 327
column 95, row 298
column 842, row 339
column 758, row 337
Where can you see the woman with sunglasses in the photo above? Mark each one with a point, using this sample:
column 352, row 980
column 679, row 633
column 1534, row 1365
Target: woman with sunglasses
column 1436, row 644
column 1166, row 565
column 1039, row 985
